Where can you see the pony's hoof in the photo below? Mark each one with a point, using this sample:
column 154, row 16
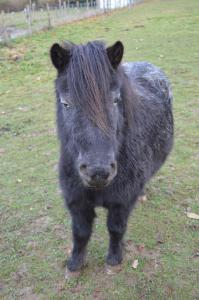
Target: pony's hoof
column 75, row 264
column 114, row 260
column 112, row 270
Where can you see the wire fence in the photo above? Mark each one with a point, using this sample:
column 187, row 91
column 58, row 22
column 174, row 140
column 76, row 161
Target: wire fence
column 32, row 19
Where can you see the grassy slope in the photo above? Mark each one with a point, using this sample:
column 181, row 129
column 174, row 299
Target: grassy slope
column 35, row 229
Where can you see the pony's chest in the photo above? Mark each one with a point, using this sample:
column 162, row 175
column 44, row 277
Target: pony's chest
column 103, row 198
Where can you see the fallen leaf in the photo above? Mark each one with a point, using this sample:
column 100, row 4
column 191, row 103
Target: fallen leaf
column 23, row 108
column 110, row 272
column 49, row 206
column 142, row 198
column 135, row 264
column 69, row 250
column 141, row 248
column 196, row 254
column 191, row 215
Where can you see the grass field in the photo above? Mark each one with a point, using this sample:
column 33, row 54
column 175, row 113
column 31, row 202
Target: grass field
column 35, row 229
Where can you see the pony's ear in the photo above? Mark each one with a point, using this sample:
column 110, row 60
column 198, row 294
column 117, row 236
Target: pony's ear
column 59, row 56
column 115, row 54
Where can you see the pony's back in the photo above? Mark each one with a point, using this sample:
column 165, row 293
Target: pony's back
column 148, row 78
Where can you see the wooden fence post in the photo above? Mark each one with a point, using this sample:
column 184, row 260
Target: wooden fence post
column 33, row 9
column 104, row 6
column 5, row 38
column 30, row 6
column 48, row 16
column 29, row 19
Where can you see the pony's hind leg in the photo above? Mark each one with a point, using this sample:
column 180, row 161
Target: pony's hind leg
column 82, row 220
column 116, row 222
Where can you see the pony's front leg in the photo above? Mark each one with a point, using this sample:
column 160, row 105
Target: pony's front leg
column 116, row 222
column 82, row 220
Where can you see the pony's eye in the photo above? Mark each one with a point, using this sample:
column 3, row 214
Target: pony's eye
column 64, row 102
column 66, row 105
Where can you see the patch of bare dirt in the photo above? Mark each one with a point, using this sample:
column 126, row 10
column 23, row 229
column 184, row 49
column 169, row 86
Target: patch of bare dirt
column 77, row 289
column 16, row 54
column 2, row 151
column 97, row 294
column 193, row 227
column 28, row 294
column 151, row 267
column 20, row 274
column 40, row 224
column 2, row 288
column 60, row 231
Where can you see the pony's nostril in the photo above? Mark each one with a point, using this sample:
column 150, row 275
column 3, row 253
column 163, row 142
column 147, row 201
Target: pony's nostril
column 83, row 167
column 113, row 165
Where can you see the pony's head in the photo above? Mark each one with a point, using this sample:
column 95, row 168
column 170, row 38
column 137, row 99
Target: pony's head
column 90, row 108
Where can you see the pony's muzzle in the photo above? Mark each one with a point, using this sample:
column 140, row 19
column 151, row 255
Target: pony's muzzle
column 97, row 176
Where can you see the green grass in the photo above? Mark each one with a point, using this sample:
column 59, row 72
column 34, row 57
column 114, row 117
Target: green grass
column 35, row 229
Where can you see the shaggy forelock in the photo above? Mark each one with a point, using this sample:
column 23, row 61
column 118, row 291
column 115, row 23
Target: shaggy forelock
column 89, row 78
